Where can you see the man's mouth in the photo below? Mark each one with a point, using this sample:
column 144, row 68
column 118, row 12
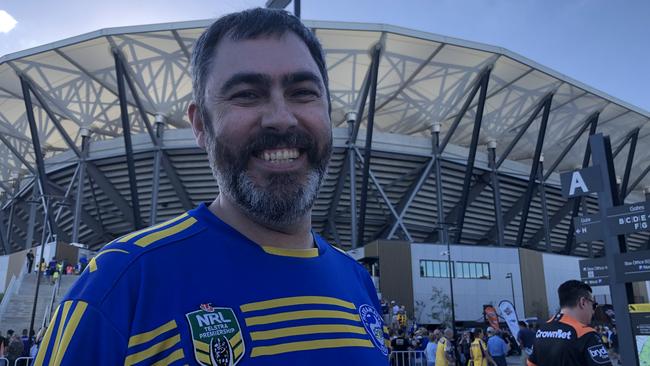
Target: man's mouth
column 281, row 155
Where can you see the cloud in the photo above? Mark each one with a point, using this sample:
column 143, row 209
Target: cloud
column 7, row 22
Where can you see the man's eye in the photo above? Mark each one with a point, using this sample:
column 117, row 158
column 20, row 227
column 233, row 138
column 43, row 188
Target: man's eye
column 245, row 95
column 305, row 93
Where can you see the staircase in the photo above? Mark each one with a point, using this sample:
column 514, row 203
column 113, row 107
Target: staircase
column 19, row 310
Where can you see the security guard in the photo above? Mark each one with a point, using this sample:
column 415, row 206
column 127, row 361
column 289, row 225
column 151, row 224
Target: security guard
column 566, row 340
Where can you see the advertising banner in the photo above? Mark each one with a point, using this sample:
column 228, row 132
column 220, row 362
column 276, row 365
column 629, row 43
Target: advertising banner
column 510, row 316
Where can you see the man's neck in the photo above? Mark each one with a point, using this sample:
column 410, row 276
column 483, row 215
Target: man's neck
column 571, row 312
column 297, row 236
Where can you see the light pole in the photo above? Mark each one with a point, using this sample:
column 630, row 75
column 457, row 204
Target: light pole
column 512, row 287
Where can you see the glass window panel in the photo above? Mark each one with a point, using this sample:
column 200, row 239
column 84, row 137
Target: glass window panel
column 430, row 269
column 436, row 270
column 422, row 267
column 466, row 269
column 486, row 269
column 472, row 270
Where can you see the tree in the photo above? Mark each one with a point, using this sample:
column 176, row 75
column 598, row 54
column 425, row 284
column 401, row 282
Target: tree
column 440, row 306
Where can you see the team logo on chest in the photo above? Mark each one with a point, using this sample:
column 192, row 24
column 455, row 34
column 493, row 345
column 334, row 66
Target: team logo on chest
column 374, row 325
column 216, row 336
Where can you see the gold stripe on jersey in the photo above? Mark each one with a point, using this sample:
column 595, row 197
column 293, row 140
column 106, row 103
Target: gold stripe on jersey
column 309, row 345
column 46, row 339
column 204, row 358
column 304, row 330
column 92, row 265
column 147, row 336
column 128, row 237
column 174, row 356
column 152, row 351
column 70, row 328
column 59, row 331
column 238, row 349
column 296, row 300
column 297, row 253
column 301, row 314
column 158, row 235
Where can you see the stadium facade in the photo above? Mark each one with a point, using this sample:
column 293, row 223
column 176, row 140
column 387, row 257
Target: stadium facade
column 466, row 140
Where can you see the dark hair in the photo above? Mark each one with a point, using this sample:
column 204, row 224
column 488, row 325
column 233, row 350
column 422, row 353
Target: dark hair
column 522, row 324
column 571, row 291
column 245, row 25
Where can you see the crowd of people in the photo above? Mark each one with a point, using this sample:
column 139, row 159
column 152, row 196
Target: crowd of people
column 14, row 347
column 54, row 269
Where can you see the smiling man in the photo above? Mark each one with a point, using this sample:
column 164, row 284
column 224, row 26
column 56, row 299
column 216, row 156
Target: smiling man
column 258, row 286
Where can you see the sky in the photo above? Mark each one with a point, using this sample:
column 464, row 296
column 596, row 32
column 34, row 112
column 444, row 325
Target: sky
column 602, row 43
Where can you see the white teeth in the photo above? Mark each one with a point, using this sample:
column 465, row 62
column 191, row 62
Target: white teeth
column 284, row 155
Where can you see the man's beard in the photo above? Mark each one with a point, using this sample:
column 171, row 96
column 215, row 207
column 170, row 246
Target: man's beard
column 286, row 197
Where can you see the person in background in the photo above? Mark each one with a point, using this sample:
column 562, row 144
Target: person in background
column 566, row 339
column 526, row 339
column 430, row 349
column 445, row 352
column 15, row 349
column 463, row 347
column 30, row 261
column 479, row 355
column 497, row 347
column 3, row 340
column 27, row 343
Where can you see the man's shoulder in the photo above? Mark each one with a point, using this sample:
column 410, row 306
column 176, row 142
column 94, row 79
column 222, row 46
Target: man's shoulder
column 114, row 261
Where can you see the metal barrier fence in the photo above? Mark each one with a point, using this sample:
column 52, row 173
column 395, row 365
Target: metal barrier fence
column 20, row 361
column 408, row 358
column 24, row 361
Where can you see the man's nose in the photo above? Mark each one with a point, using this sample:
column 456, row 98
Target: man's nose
column 279, row 115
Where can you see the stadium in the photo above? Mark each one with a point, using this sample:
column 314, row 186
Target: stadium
column 436, row 140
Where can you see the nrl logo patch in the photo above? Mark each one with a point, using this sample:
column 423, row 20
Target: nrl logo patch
column 374, row 325
column 216, row 336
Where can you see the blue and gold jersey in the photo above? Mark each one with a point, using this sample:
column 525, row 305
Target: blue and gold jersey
column 194, row 291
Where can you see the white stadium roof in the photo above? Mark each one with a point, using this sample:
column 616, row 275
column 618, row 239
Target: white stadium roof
column 423, row 78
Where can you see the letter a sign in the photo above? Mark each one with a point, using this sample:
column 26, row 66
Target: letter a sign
column 581, row 182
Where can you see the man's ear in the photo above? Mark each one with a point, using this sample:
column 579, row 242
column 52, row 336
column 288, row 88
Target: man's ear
column 198, row 125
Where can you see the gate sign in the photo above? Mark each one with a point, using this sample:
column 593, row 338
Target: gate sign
column 587, row 228
column 627, row 219
column 633, row 266
column 594, row 272
column 581, row 182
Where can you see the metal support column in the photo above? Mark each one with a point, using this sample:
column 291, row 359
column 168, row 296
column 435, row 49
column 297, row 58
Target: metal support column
column 160, row 128
column 496, row 191
column 10, row 223
column 81, row 178
column 443, row 237
column 352, row 171
column 460, row 220
column 628, row 166
column 31, row 218
column 42, row 179
column 542, row 193
column 376, row 53
column 533, row 173
column 126, row 127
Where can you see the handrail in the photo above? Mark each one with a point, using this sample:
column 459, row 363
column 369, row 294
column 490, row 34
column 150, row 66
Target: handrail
column 11, row 289
column 48, row 311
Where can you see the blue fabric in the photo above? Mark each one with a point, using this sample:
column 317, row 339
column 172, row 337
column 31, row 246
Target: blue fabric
column 497, row 346
column 196, row 289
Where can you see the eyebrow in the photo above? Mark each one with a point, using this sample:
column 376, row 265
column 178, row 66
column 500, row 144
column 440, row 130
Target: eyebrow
column 245, row 78
column 264, row 80
column 300, row 76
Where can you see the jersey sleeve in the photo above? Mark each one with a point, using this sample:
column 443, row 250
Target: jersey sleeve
column 79, row 334
column 595, row 351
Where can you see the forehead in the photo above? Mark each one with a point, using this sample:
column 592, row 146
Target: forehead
column 272, row 55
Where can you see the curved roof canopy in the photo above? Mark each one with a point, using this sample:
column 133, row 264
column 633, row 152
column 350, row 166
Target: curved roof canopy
column 422, row 79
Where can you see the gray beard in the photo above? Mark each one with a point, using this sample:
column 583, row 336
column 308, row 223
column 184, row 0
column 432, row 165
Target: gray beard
column 282, row 203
